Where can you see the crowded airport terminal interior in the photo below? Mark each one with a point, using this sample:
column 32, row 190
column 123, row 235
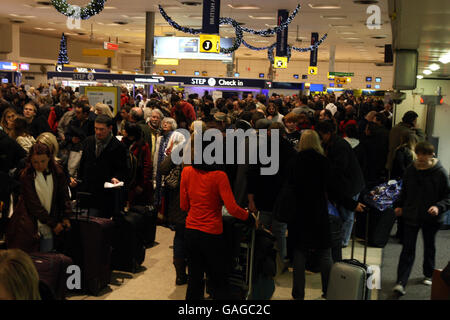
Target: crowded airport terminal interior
column 224, row 150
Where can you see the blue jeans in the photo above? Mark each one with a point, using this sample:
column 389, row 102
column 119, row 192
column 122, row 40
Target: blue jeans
column 348, row 218
column 278, row 231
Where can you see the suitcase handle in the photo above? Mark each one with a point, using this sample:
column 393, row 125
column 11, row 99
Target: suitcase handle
column 86, row 196
column 366, row 211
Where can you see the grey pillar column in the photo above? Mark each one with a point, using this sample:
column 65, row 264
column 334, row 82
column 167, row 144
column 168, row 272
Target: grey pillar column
column 149, row 40
column 332, row 58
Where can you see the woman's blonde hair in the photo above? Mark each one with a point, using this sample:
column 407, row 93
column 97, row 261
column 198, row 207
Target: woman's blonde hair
column 195, row 124
column 104, row 109
column 18, row 275
column 309, row 140
column 49, row 139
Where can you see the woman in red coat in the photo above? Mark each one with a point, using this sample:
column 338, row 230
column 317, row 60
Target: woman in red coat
column 44, row 204
column 204, row 189
column 140, row 188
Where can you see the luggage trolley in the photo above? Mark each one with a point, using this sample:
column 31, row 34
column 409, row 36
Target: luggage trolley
column 241, row 274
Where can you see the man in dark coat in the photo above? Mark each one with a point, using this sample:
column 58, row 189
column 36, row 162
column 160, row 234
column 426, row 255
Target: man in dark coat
column 346, row 176
column 103, row 160
column 375, row 145
column 11, row 154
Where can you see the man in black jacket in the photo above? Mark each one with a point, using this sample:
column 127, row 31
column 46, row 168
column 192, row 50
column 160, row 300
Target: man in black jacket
column 424, row 199
column 103, row 160
column 11, row 156
column 347, row 178
column 37, row 123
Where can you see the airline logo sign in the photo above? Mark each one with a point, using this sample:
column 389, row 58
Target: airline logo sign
column 110, row 46
column 280, row 62
column 210, row 43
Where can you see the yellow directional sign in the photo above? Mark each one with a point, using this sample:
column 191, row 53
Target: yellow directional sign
column 340, row 80
column 280, row 62
column 312, row 70
column 98, row 53
column 210, row 43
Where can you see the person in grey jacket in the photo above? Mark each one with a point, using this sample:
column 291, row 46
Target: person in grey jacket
column 424, row 198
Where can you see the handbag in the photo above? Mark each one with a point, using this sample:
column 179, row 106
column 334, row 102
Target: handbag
column 22, row 232
column 172, row 180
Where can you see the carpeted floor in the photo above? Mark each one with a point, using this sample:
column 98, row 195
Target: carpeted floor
column 415, row 290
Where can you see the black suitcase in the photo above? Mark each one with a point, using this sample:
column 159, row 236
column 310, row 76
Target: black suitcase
column 380, row 226
column 149, row 217
column 88, row 243
column 52, row 270
column 128, row 246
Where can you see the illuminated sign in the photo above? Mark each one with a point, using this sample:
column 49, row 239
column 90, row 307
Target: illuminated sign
column 280, row 62
column 24, row 67
column 9, row 66
column 210, row 43
column 110, row 46
column 312, row 70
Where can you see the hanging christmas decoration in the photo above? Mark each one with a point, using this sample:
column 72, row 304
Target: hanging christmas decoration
column 239, row 31
column 94, row 7
column 63, row 58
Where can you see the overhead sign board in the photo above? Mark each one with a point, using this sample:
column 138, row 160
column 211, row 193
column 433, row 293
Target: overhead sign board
column 210, row 43
column 280, row 62
column 98, row 53
column 313, row 70
column 211, row 14
column 9, row 66
column 340, row 80
column 110, row 46
column 188, row 48
column 341, row 74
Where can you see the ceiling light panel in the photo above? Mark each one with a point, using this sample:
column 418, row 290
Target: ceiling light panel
column 334, row 17
column 262, row 17
column 324, row 6
column 244, row 7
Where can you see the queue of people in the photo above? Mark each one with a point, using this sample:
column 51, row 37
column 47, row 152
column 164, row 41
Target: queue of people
column 331, row 149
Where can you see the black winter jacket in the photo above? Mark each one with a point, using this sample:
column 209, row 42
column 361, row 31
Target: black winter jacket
column 346, row 176
column 421, row 190
column 94, row 172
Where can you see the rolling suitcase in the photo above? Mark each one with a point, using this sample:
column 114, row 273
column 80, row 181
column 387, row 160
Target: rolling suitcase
column 128, row 251
column 52, row 270
column 348, row 278
column 88, row 243
column 149, row 217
